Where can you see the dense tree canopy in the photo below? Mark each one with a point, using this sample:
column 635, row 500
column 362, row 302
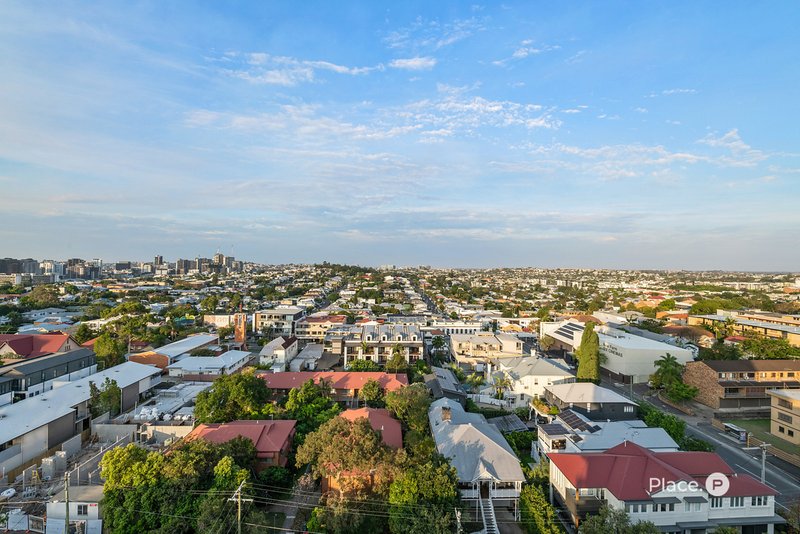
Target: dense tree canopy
column 231, row 397
column 311, row 404
column 588, row 355
column 410, row 405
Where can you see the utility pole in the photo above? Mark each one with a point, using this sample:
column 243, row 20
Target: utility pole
column 66, row 502
column 237, row 496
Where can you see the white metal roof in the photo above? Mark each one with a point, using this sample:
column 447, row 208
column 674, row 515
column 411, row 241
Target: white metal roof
column 24, row 416
column 186, row 345
column 586, row 392
column 206, row 363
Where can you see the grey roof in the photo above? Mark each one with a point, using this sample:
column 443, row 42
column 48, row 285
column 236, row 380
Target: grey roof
column 445, row 378
column 476, row 449
column 533, row 366
column 586, row 392
column 33, row 365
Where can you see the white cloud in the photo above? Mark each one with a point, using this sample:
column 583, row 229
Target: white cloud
column 414, row 63
column 263, row 68
column 524, row 50
column 425, row 34
column 741, row 154
column 668, row 92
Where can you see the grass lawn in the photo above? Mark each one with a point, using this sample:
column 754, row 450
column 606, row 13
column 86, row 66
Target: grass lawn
column 760, row 429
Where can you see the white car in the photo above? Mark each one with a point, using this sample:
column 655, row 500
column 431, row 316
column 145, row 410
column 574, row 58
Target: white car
column 7, row 494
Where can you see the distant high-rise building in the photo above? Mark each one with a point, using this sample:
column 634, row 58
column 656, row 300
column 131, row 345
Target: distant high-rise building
column 183, row 266
column 219, row 258
column 158, row 260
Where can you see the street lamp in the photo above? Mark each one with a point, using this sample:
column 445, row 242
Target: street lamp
column 763, row 448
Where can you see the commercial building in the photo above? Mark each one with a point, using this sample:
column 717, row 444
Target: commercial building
column 665, row 488
column 785, row 414
column 626, row 357
column 740, row 384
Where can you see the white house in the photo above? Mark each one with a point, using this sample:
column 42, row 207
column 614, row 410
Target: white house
column 84, row 510
column 667, row 488
column 528, row 377
column 279, row 352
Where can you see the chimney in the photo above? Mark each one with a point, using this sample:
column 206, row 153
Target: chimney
column 446, row 413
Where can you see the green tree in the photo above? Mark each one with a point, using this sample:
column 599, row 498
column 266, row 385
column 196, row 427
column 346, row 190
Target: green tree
column 364, row 366
column 501, row 385
column 588, row 355
column 668, row 371
column 84, row 333
column 110, row 350
column 397, row 363
column 609, row 520
column 346, row 451
column 422, row 498
column 372, row 394
column 311, row 405
column 106, row 398
column 438, row 343
column 45, row 296
column 231, row 397
column 538, row 515
column 410, row 405
column 546, row 342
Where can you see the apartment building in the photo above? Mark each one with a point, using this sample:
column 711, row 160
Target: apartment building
column 379, row 342
column 315, row 328
column 785, row 414
column 33, row 376
column 766, row 325
column 740, row 384
column 665, row 488
column 281, row 320
column 474, row 350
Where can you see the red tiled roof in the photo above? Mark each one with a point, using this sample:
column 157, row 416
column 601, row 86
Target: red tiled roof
column 32, row 345
column 337, row 379
column 381, row 421
column 268, row 436
column 626, row 471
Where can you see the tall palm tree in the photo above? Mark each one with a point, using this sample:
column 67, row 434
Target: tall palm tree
column 668, row 370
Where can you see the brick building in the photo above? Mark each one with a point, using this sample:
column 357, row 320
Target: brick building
column 740, row 384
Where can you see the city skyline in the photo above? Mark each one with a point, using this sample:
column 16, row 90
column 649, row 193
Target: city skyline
column 462, row 135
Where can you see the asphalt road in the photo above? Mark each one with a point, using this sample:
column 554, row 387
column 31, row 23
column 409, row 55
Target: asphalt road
column 780, row 476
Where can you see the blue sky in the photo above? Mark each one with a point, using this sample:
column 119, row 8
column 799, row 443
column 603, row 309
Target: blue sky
column 613, row 134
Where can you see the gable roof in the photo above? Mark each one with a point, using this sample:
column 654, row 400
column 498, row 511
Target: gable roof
column 381, row 421
column 476, row 449
column 337, row 379
column 626, row 471
column 32, row 345
column 267, row 436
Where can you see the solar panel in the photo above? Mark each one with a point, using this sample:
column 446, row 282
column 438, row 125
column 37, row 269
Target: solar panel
column 575, row 422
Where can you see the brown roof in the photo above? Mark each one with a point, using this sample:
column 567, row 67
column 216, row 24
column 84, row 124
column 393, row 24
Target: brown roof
column 337, row 379
column 722, row 366
column 268, row 436
column 381, row 421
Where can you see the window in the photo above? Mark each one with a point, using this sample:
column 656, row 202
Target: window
column 691, row 507
column 758, row 501
column 628, row 409
column 716, row 502
column 737, row 502
column 791, row 433
column 784, row 417
column 781, row 430
column 783, row 403
column 83, row 509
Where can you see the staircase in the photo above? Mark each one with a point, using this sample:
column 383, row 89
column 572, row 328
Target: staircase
column 487, row 513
